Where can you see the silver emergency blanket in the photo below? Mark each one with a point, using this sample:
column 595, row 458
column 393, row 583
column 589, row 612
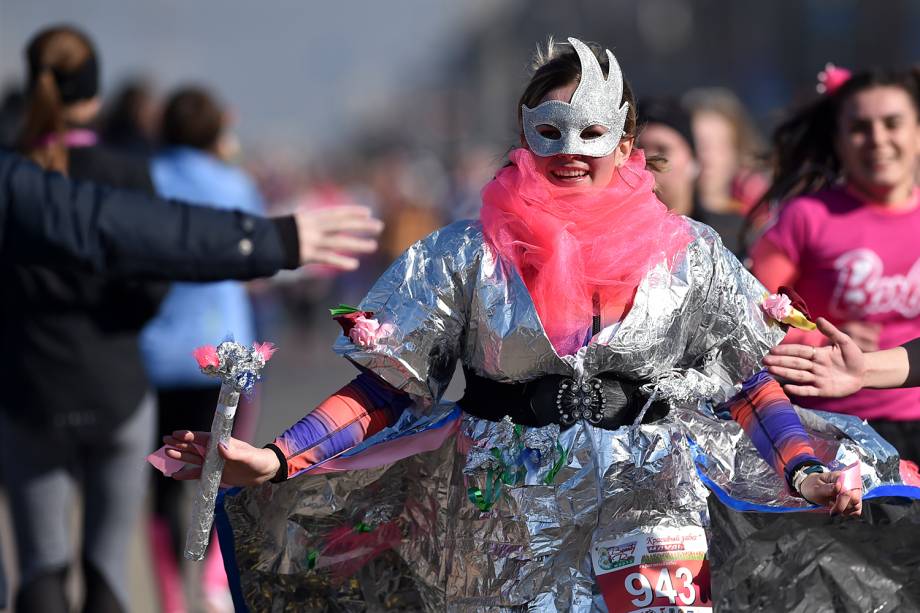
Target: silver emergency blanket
column 697, row 330
column 808, row 561
column 530, row 549
column 502, row 517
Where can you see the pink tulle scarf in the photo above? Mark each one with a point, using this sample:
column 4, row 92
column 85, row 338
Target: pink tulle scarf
column 570, row 244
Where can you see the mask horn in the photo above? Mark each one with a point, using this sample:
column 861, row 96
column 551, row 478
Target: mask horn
column 594, row 91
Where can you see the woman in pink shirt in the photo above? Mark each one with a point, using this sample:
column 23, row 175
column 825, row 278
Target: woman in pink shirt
column 848, row 236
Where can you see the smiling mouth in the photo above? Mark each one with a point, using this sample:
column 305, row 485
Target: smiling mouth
column 879, row 164
column 570, row 174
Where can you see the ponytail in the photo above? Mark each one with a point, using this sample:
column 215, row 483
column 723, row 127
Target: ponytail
column 62, row 71
column 44, row 119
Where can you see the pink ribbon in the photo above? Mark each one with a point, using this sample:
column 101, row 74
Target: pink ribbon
column 167, row 465
column 910, row 474
column 851, row 477
column 71, row 138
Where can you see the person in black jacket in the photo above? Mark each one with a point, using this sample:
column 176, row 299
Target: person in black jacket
column 72, row 370
column 71, row 367
column 47, row 218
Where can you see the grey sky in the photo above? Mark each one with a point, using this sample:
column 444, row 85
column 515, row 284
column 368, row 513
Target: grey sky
column 295, row 70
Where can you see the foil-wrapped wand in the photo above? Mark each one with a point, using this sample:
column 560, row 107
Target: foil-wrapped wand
column 238, row 368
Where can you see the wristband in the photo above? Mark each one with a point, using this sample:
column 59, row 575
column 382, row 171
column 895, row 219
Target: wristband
column 800, row 474
column 282, row 473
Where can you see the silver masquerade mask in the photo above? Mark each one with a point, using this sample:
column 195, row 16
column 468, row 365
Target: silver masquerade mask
column 596, row 101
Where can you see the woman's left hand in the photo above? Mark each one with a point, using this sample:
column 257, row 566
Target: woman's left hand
column 827, row 489
column 827, row 372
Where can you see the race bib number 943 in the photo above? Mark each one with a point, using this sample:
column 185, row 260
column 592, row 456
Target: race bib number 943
column 663, row 570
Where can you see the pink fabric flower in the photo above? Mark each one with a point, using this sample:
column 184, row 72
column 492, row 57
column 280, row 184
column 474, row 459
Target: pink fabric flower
column 266, row 350
column 347, row 320
column 367, row 333
column 777, row 306
column 832, row 78
column 206, row 356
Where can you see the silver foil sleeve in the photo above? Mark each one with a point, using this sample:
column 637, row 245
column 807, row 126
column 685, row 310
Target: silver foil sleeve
column 423, row 296
column 733, row 333
column 199, row 531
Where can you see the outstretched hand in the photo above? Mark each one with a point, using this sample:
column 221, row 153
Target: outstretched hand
column 332, row 235
column 244, row 465
column 827, row 489
column 829, row 372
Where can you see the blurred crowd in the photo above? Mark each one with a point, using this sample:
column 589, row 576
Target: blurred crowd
column 92, row 354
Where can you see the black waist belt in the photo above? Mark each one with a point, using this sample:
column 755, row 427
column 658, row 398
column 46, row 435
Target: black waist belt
column 604, row 401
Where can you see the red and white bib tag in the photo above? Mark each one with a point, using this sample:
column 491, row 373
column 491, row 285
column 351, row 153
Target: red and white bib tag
column 663, row 570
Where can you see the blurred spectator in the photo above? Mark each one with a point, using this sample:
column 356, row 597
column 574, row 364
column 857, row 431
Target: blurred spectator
column 410, row 191
column 729, row 148
column 49, row 219
column 665, row 131
column 193, row 314
column 72, row 372
column 846, row 234
column 474, row 168
column 130, row 121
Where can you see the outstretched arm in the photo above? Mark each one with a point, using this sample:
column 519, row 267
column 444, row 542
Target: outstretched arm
column 842, row 368
column 46, row 218
column 360, row 409
column 769, row 419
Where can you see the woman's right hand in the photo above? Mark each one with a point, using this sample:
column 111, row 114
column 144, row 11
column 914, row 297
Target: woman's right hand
column 244, row 465
column 829, row 372
column 335, row 235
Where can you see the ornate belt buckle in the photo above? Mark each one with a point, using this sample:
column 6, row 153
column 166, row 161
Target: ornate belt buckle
column 580, row 400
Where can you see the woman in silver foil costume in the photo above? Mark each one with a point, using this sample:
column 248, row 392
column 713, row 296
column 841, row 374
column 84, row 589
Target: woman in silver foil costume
column 582, row 482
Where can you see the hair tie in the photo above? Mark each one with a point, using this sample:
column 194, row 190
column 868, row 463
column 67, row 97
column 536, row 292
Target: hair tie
column 73, row 86
column 832, row 78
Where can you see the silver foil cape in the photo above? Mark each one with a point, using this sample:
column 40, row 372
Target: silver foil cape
column 697, row 330
column 694, row 333
column 530, row 551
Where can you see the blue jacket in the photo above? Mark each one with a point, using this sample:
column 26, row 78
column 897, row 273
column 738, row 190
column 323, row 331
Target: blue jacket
column 195, row 314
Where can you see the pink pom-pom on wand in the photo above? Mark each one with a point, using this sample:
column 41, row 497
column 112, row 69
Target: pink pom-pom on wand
column 207, row 358
column 266, row 350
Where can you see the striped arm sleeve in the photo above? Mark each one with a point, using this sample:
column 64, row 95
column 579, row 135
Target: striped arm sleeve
column 360, row 409
column 769, row 419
